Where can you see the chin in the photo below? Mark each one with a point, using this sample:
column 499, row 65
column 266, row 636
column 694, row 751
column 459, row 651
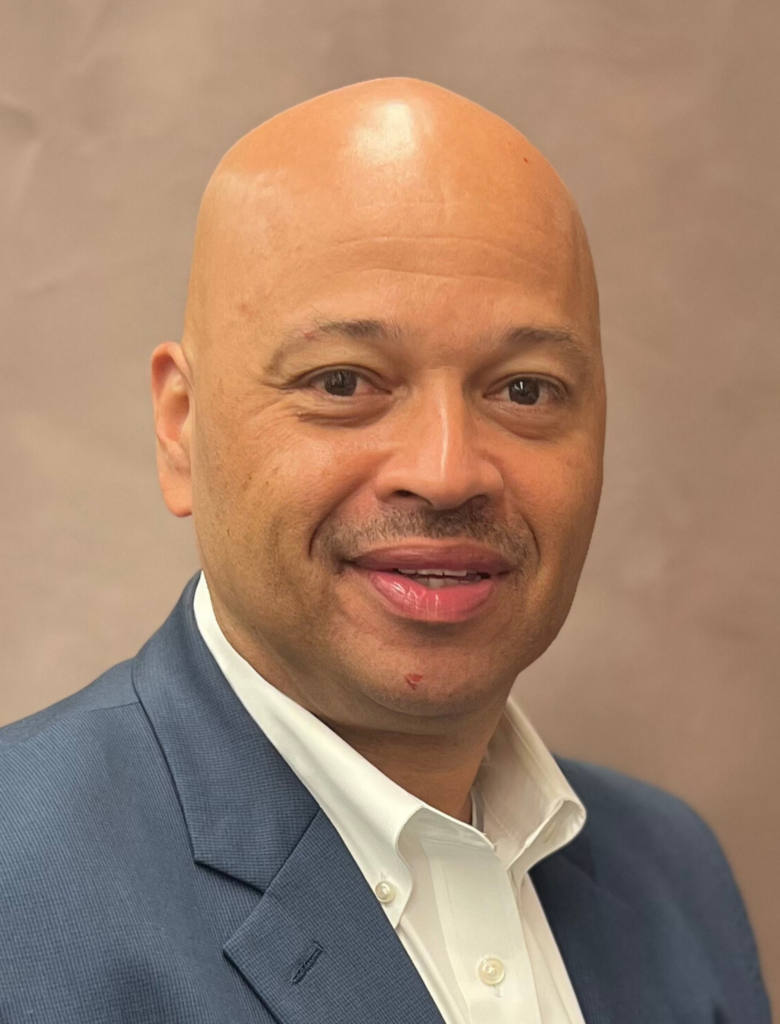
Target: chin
column 427, row 700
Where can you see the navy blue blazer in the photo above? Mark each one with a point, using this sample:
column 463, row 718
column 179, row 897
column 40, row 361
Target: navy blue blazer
column 161, row 864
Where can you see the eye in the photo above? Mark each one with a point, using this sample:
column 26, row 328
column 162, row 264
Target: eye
column 340, row 381
column 532, row 391
column 523, row 391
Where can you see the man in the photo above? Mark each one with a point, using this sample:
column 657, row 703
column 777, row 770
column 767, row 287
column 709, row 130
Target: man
column 307, row 799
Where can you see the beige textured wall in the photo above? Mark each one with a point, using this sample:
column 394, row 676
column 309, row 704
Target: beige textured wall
column 662, row 118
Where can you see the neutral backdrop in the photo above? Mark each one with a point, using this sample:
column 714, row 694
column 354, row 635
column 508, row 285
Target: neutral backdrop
column 661, row 116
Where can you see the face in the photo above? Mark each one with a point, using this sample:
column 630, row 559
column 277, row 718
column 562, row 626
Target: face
column 371, row 390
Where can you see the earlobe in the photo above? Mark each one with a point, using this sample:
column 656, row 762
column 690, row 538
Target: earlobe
column 171, row 396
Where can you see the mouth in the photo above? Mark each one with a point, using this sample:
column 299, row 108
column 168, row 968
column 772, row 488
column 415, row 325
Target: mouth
column 430, row 595
column 435, row 579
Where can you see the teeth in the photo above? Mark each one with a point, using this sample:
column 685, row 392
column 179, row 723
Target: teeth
column 434, row 572
column 436, row 583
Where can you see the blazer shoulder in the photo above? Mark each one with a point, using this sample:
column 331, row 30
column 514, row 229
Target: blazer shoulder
column 610, row 795
column 78, row 779
column 57, row 760
column 113, row 688
column 655, row 848
column 643, row 822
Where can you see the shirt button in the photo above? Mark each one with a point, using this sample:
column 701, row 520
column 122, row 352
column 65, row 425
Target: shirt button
column 385, row 892
column 491, row 970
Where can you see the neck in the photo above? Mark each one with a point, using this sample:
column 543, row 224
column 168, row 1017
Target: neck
column 440, row 770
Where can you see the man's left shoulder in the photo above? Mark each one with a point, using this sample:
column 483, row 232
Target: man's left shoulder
column 636, row 822
column 644, row 816
column 658, row 855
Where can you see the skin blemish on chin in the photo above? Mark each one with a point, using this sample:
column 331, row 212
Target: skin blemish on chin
column 412, row 680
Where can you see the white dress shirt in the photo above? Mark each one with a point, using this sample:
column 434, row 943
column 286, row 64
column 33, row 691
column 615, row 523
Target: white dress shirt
column 458, row 896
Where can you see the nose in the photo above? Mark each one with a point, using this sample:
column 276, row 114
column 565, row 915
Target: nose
column 438, row 452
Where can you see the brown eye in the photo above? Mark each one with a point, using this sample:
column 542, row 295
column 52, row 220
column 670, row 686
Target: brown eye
column 532, row 391
column 343, row 383
column 525, row 391
column 339, row 383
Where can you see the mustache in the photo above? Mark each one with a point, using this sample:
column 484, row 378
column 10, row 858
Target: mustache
column 516, row 545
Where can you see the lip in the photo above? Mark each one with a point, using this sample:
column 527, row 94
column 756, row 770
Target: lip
column 457, row 557
column 408, row 599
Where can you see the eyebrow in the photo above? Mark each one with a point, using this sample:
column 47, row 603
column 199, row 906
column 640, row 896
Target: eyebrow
column 385, row 332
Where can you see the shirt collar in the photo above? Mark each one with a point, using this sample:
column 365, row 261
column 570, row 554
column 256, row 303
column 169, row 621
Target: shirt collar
column 530, row 809
column 522, row 801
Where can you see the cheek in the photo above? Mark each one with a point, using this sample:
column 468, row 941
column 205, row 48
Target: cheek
column 274, row 486
column 559, row 493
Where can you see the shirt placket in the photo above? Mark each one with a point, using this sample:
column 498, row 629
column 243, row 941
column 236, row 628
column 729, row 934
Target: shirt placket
column 483, row 932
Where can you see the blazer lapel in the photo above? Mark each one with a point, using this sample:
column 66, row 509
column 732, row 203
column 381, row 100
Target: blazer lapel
column 599, row 939
column 318, row 947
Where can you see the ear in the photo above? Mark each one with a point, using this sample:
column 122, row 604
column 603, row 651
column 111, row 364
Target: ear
column 172, row 399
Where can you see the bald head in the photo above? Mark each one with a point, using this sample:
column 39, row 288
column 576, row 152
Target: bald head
column 391, row 159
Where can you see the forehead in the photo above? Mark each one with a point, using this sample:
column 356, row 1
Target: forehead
column 413, row 246
column 501, row 221
column 482, row 234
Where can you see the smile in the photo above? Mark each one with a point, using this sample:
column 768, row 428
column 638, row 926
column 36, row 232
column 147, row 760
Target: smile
column 429, row 595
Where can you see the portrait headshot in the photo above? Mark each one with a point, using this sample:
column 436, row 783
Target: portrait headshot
column 390, row 633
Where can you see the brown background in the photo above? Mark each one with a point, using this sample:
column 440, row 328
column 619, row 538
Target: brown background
column 661, row 117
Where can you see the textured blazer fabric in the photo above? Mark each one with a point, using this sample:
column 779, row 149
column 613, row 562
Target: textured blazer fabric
column 161, row 864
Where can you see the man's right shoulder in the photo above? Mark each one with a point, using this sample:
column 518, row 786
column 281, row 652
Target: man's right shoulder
column 61, row 764
column 112, row 689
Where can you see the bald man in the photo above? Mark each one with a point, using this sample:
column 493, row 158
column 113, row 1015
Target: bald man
column 310, row 799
